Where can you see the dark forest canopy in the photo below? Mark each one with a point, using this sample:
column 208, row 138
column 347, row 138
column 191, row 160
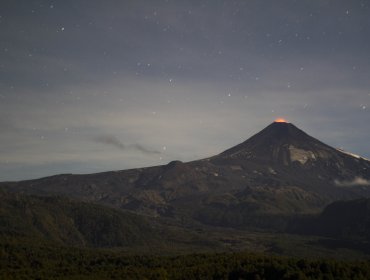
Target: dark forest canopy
column 48, row 262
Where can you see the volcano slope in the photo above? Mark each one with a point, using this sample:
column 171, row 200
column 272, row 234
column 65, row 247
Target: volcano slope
column 276, row 174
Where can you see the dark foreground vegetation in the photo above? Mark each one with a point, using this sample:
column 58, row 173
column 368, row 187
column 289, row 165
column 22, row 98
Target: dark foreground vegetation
column 18, row 261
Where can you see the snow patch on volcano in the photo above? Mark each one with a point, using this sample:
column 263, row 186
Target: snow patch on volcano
column 357, row 181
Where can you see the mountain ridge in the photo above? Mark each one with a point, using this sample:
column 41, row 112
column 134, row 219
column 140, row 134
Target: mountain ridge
column 277, row 172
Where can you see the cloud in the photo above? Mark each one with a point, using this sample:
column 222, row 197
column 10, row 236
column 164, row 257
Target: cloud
column 143, row 149
column 357, row 181
column 110, row 140
column 115, row 142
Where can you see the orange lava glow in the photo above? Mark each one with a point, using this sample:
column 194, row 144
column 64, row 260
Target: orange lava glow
column 281, row 120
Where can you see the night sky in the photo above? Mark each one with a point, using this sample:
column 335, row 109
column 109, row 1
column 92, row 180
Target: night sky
column 88, row 86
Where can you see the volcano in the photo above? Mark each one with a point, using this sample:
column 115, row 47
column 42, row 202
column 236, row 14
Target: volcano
column 284, row 143
column 280, row 143
column 280, row 171
column 285, row 147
